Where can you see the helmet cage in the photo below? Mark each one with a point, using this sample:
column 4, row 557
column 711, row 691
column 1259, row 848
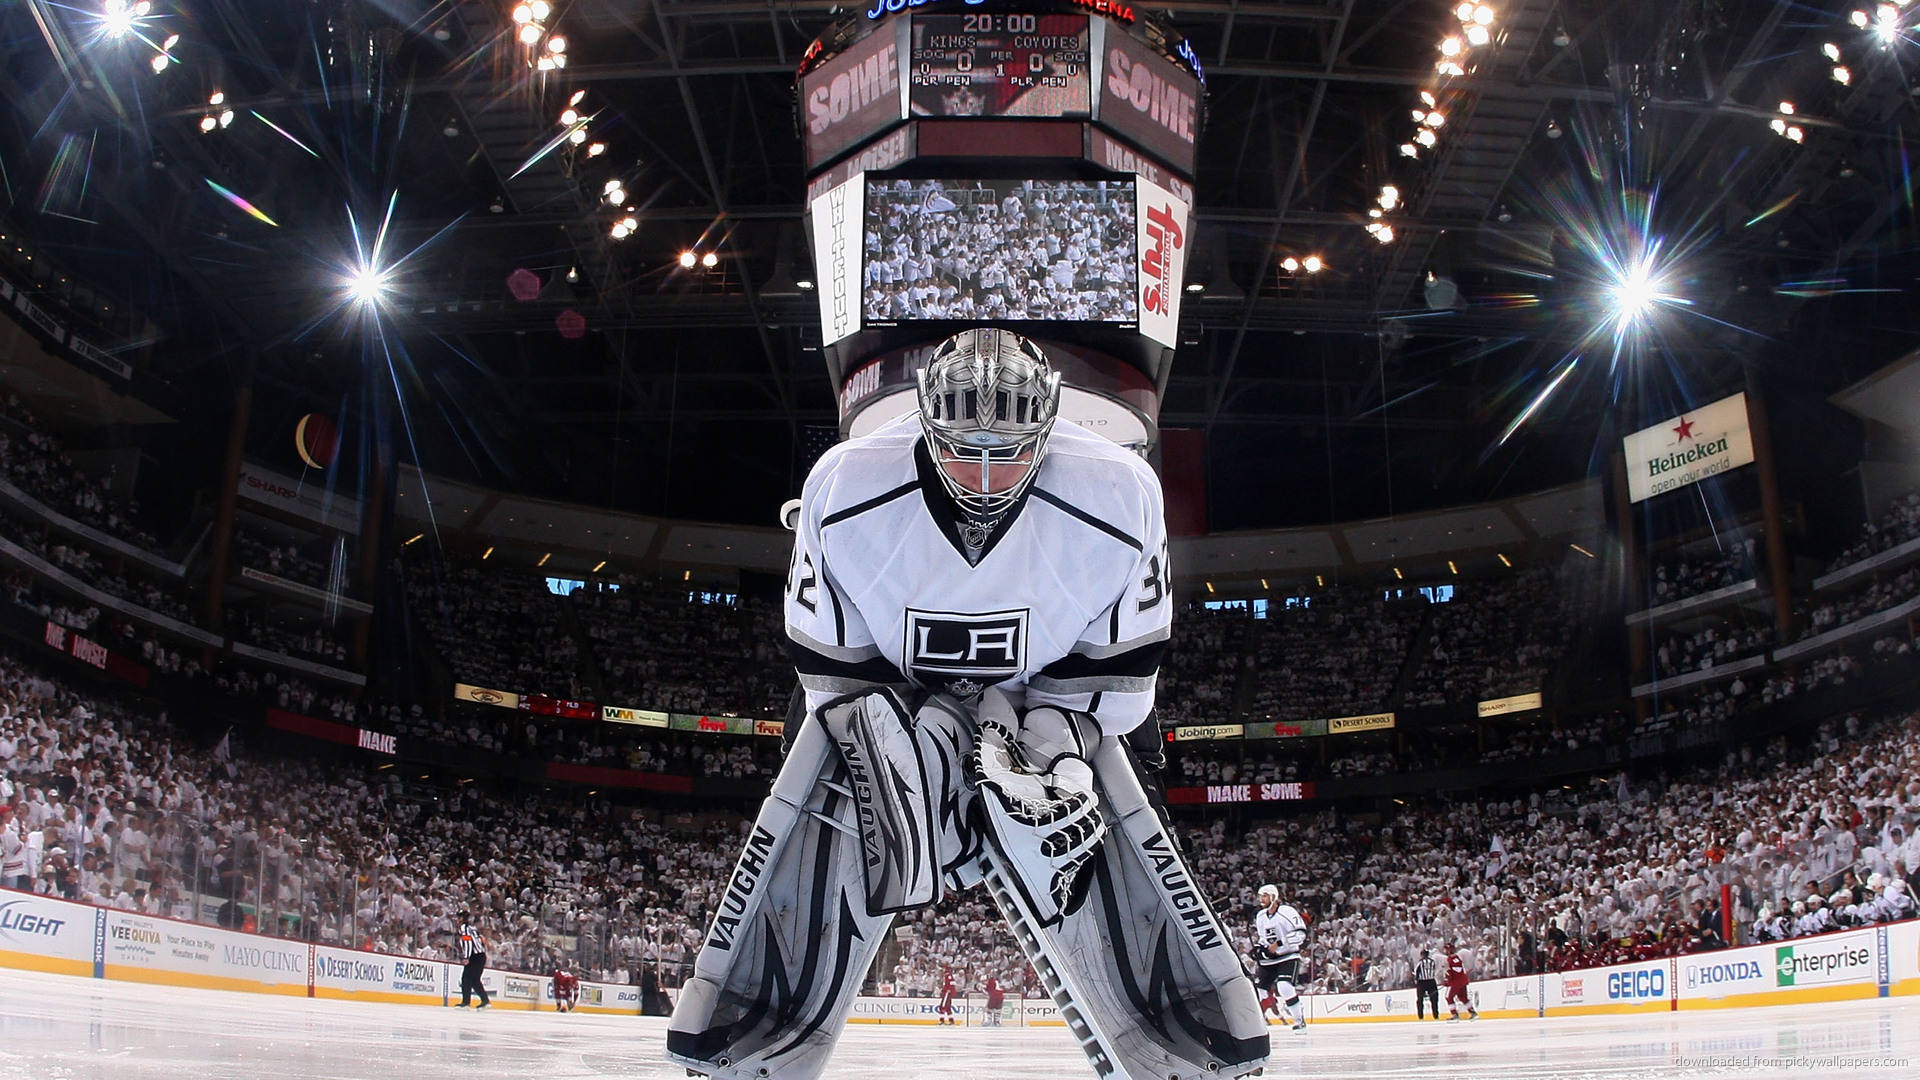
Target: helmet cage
column 988, row 400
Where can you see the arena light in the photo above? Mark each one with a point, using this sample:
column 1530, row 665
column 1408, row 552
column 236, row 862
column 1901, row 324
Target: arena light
column 1436, row 118
column 1841, row 75
column 577, row 136
column 1634, row 291
column 530, row 34
column 1451, row 46
column 569, row 118
column 596, row 149
column 597, row 567
column 1290, row 264
column 1312, row 264
column 556, row 44
column 1464, row 12
column 1582, row 550
column 1384, row 234
column 487, row 554
column 1886, row 24
column 1830, row 51
column 543, row 559
column 1482, row 15
column 578, row 95
column 1504, row 561
column 1478, row 35
column 414, row 539
column 541, row 9
column 522, row 14
column 1427, row 99
column 1407, row 149
column 804, row 284
column 687, row 259
column 208, row 123
column 1320, row 581
column 709, row 260
column 368, row 286
column 1453, row 568
column 117, row 19
column 1425, row 137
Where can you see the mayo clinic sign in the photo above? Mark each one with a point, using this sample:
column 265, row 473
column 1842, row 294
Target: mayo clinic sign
column 1688, row 448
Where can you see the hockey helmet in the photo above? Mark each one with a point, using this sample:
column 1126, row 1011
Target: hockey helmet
column 1815, row 900
column 1841, row 898
column 1876, row 881
column 1269, row 891
column 1799, row 907
column 988, row 400
column 1766, row 914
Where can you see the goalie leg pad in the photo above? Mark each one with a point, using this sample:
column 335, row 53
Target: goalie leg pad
column 1145, row 975
column 791, row 938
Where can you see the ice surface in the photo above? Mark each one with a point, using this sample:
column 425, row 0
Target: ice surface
column 61, row 1028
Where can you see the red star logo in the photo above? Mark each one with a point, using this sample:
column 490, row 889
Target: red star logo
column 1684, row 429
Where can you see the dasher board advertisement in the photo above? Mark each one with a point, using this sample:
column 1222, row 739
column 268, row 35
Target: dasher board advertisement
column 1688, row 448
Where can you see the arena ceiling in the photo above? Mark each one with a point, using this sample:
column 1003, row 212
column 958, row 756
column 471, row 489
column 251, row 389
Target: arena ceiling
column 1469, row 358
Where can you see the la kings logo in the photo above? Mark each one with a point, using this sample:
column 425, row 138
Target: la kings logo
column 964, row 653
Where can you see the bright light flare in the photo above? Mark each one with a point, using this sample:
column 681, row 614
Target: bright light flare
column 247, row 207
column 367, row 286
column 117, row 19
column 687, row 259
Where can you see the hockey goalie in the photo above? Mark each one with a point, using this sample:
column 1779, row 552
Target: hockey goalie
column 977, row 607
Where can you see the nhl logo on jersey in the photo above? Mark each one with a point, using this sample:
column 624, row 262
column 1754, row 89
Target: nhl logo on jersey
column 964, row 653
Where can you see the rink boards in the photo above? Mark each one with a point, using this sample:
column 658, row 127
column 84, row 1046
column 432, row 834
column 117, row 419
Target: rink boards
column 1879, row 961
column 40, row 933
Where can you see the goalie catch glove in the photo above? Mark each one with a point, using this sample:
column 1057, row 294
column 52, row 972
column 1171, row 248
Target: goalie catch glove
column 1038, row 798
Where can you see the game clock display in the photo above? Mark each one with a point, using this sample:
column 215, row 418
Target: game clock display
column 1000, row 64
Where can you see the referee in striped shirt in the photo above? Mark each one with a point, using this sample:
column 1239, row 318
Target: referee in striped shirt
column 473, row 951
column 1426, row 985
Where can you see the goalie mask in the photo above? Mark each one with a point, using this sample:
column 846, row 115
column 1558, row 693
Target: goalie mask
column 988, row 400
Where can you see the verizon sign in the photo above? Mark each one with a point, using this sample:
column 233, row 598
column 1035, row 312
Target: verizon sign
column 1162, row 229
column 1688, row 448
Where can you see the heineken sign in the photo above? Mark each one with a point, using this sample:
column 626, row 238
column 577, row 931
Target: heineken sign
column 1688, row 448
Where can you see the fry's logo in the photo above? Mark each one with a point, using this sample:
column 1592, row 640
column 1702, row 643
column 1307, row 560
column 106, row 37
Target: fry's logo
column 1165, row 237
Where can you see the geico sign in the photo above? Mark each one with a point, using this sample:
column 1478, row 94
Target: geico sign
column 1637, row 984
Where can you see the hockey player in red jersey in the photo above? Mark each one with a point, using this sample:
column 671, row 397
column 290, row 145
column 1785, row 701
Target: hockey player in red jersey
column 996, row 998
column 947, row 990
column 566, row 990
column 1457, row 986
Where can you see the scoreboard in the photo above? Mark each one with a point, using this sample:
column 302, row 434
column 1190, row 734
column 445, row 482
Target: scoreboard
column 1000, row 64
column 1017, row 163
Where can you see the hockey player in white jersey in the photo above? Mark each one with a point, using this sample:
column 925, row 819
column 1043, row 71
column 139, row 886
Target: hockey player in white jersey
column 977, row 606
column 1278, row 932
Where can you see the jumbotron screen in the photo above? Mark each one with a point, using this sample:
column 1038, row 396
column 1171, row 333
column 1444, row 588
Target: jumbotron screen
column 1055, row 250
column 1000, row 64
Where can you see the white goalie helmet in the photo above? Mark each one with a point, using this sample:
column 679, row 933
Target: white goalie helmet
column 988, row 400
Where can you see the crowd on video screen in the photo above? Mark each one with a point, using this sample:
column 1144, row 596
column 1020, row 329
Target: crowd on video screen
column 1007, row 249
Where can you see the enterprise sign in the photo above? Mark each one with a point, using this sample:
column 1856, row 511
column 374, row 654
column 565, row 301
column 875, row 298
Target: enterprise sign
column 1688, row 448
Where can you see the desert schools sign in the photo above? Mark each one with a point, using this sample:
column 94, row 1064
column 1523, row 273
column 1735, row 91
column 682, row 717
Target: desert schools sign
column 1688, row 448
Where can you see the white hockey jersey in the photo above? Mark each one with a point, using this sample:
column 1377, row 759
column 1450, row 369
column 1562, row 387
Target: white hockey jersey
column 1071, row 601
column 1282, row 927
